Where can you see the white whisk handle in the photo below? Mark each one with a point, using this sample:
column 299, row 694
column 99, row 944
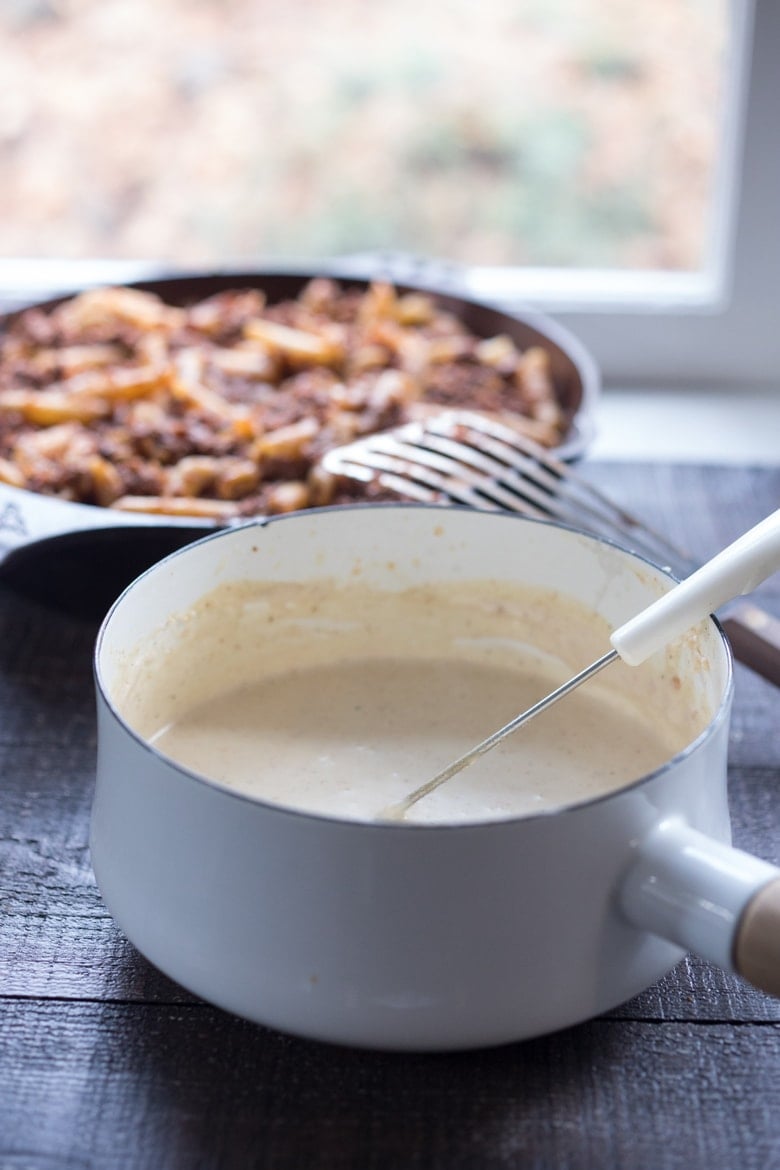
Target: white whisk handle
column 736, row 570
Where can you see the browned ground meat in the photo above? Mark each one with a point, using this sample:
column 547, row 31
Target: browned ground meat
column 225, row 407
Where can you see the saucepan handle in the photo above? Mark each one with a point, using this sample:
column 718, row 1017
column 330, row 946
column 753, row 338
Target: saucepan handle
column 707, row 897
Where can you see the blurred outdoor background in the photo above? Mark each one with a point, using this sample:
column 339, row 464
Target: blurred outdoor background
column 528, row 132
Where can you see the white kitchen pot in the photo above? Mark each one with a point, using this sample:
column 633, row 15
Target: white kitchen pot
column 414, row 936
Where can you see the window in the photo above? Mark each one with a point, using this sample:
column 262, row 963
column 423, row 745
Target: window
column 204, row 150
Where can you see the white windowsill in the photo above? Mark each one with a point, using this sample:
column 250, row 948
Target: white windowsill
column 720, row 427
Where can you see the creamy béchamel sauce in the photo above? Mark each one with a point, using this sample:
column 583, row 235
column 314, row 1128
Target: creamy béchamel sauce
column 340, row 700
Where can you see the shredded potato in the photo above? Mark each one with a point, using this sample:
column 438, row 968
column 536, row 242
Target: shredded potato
column 225, row 407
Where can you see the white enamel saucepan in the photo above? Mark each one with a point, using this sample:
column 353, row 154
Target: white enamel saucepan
column 424, row 936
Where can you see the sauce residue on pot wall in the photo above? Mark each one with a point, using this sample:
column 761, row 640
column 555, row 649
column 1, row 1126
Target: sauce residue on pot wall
column 340, row 699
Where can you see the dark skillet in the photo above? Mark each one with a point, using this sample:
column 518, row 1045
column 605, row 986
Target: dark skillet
column 79, row 556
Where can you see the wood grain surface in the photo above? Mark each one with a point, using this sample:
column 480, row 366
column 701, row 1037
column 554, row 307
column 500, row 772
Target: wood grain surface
column 104, row 1062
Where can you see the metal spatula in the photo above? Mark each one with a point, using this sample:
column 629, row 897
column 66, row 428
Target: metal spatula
column 736, row 570
column 465, row 457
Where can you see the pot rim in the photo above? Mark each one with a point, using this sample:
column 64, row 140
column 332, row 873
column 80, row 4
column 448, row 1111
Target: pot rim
column 409, row 826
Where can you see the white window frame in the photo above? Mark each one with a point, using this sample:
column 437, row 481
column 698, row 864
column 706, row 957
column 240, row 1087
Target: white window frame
column 718, row 328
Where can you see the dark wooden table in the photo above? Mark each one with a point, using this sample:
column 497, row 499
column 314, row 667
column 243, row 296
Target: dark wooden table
column 106, row 1063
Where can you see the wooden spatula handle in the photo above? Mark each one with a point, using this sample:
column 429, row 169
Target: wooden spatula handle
column 757, row 940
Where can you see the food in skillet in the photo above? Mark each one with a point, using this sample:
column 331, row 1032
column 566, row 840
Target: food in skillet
column 224, row 407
